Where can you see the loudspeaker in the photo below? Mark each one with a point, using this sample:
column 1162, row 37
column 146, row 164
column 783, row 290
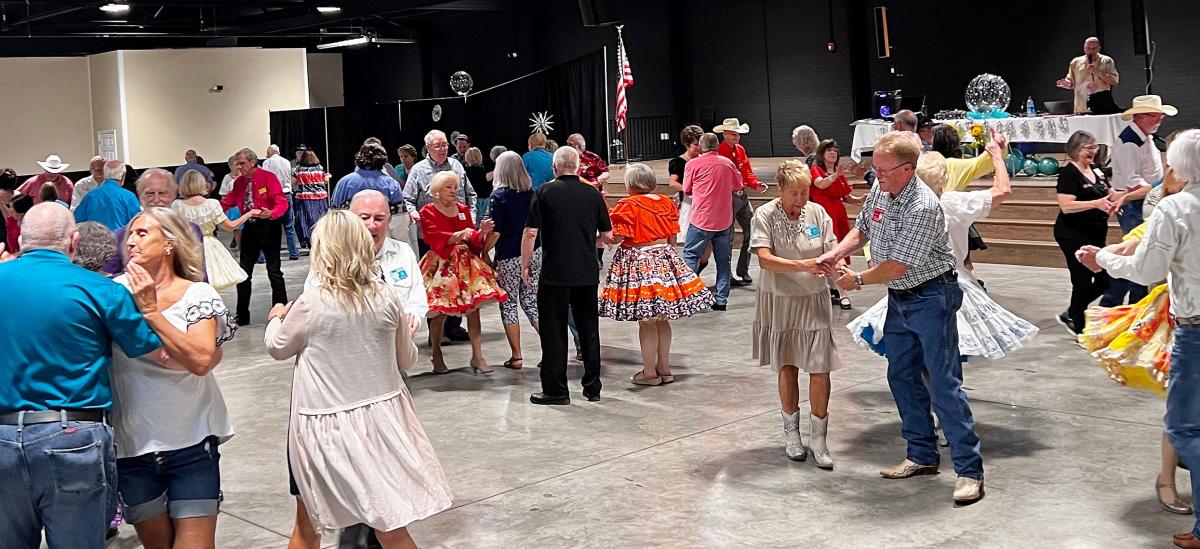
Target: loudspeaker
column 883, row 44
column 599, row 13
column 1141, row 39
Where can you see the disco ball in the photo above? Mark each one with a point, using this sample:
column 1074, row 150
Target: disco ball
column 987, row 93
column 461, row 83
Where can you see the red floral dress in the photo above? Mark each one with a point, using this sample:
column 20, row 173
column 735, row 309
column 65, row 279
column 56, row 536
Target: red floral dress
column 457, row 280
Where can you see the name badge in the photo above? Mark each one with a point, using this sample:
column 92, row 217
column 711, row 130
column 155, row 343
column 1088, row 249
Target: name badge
column 877, row 215
column 400, row 274
column 462, row 216
column 811, row 231
column 1098, row 173
column 262, row 190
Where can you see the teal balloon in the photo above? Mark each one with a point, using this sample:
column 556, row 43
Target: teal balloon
column 1014, row 163
column 1031, row 167
column 1048, row 166
column 1013, row 151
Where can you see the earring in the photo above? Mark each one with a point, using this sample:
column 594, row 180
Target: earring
column 168, row 251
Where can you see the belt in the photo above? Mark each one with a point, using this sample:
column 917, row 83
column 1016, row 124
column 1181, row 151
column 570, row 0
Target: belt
column 948, row 277
column 51, row 416
column 1187, row 320
column 739, row 192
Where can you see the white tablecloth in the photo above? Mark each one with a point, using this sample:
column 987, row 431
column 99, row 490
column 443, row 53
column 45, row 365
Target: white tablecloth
column 1041, row 129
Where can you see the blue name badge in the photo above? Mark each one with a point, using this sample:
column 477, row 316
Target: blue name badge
column 811, row 231
column 400, row 274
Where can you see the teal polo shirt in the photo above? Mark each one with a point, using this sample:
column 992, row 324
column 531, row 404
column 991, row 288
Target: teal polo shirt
column 57, row 330
column 109, row 204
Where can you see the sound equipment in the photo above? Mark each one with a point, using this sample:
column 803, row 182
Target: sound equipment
column 1141, row 40
column 883, row 44
column 886, row 103
column 599, row 13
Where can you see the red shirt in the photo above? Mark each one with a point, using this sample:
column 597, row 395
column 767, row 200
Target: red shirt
column 737, row 155
column 265, row 194
column 12, row 233
column 33, row 187
column 437, row 227
column 591, row 166
column 833, row 199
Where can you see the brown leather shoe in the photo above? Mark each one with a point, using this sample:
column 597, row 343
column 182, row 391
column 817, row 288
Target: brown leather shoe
column 1187, row 540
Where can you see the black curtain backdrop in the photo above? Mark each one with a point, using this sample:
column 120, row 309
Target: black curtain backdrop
column 571, row 92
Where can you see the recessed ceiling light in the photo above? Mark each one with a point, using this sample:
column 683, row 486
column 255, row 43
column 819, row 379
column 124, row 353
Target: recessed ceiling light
column 113, row 7
column 328, row 9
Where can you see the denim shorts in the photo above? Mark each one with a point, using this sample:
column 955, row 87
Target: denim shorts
column 185, row 483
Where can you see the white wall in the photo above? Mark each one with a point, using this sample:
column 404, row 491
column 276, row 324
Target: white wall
column 45, row 108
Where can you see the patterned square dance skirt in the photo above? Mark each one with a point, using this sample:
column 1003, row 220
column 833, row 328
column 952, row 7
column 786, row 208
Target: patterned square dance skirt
column 1133, row 342
column 459, row 284
column 651, row 281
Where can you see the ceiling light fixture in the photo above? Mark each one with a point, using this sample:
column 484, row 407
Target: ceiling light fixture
column 328, row 9
column 113, row 7
column 365, row 39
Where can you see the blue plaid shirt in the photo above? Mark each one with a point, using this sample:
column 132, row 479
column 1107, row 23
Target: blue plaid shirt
column 910, row 229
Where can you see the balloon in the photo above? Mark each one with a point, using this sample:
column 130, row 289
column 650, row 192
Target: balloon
column 1014, row 163
column 987, row 93
column 1031, row 167
column 1048, row 166
column 461, row 83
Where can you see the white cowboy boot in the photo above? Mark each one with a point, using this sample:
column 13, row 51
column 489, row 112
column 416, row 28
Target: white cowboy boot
column 791, row 436
column 818, row 427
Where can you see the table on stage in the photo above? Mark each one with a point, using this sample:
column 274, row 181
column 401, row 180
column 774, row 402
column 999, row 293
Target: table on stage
column 1039, row 129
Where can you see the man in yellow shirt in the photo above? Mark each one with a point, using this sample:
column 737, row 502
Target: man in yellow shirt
column 1092, row 77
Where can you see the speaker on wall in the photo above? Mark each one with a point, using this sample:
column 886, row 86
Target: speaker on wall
column 883, row 44
column 1138, row 19
column 599, row 13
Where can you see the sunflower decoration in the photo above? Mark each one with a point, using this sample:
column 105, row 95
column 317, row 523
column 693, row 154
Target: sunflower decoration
column 979, row 136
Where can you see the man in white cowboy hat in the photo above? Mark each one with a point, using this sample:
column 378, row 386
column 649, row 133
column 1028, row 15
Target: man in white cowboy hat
column 52, row 168
column 731, row 130
column 1136, row 165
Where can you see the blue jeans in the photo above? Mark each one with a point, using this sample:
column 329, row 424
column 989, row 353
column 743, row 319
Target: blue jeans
column 722, row 243
column 1183, row 408
column 185, row 483
column 57, row 476
column 289, row 227
column 920, row 334
column 1129, row 217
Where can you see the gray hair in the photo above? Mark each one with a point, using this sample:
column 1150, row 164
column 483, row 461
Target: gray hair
column 497, row 151
column 640, row 179
column 1077, row 141
column 97, row 158
column 272, row 149
column 510, row 172
column 47, row 226
column 232, row 161
column 429, row 137
column 248, row 154
column 1183, row 156
column 805, row 138
column 905, row 120
column 97, row 245
column 576, row 139
column 159, row 173
column 114, row 169
column 566, row 159
column 708, row 142
column 1092, row 40
column 367, row 194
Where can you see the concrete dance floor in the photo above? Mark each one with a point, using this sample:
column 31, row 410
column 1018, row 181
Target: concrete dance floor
column 1070, row 456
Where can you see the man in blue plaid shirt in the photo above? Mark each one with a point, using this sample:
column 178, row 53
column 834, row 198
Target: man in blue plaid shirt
column 903, row 221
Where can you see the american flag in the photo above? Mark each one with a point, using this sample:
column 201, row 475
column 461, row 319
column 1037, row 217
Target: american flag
column 626, row 81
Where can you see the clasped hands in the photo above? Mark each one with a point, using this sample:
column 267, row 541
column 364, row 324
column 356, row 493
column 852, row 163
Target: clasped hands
column 829, row 265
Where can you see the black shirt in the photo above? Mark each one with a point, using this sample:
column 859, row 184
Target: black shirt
column 478, row 177
column 675, row 168
column 1089, row 225
column 567, row 214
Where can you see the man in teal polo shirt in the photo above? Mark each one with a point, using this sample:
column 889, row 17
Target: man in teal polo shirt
column 110, row 203
column 57, row 461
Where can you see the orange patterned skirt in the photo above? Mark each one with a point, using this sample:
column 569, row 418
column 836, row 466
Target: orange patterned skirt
column 1133, row 342
column 651, row 281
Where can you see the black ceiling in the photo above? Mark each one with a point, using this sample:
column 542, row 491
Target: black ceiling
column 37, row 28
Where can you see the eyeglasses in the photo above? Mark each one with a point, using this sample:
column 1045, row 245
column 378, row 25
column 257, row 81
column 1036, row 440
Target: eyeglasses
column 1091, row 147
column 440, row 146
column 885, row 171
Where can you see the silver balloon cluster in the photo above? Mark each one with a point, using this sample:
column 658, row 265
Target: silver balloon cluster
column 461, row 83
column 987, row 93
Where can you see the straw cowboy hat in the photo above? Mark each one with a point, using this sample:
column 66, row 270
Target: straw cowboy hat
column 53, row 164
column 1148, row 104
column 732, row 125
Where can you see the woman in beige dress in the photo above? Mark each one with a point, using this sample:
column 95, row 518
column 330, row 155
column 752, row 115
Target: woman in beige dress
column 794, row 317
column 356, row 450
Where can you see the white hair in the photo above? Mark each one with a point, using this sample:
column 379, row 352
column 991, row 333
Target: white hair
column 576, row 139
column 429, row 137
column 566, row 159
column 97, row 158
column 114, row 170
column 272, row 149
column 1183, row 156
column 167, row 177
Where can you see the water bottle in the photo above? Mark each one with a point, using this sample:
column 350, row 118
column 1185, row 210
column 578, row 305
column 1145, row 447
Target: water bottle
column 1030, row 109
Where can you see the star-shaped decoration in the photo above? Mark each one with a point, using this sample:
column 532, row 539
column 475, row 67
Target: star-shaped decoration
column 541, row 122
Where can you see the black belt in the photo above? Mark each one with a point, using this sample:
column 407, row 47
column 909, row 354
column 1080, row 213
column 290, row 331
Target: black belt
column 949, row 277
column 1187, row 320
column 51, row 416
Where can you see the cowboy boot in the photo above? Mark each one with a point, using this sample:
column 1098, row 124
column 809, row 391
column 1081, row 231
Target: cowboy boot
column 819, row 427
column 791, row 436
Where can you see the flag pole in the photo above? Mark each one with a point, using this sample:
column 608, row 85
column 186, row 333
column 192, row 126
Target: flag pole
column 621, row 68
column 607, row 112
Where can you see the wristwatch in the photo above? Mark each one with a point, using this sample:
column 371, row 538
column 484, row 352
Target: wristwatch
column 858, row 280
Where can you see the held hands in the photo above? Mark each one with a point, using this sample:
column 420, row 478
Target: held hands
column 846, row 281
column 1087, row 256
column 827, row 262
column 1107, row 206
column 996, row 143
column 413, row 324
column 142, row 286
column 487, row 225
column 280, row 310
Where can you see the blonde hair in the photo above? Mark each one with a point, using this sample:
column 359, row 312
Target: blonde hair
column 901, row 145
column 343, row 258
column 792, row 173
column 440, row 180
column 805, row 138
column 931, row 168
column 192, row 184
column 537, row 140
column 474, row 157
column 187, row 261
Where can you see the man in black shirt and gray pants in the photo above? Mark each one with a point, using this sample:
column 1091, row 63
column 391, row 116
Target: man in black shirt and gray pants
column 567, row 214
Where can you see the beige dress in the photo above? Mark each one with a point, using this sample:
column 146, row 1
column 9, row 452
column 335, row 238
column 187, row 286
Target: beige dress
column 357, row 450
column 794, row 316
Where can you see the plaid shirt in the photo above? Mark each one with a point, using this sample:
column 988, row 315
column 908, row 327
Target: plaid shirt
column 910, row 229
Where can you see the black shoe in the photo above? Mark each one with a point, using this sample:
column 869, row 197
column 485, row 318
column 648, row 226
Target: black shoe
column 746, row 279
column 738, row 283
column 293, row 257
column 544, row 399
column 716, row 307
column 1066, row 322
column 592, row 398
column 458, row 335
column 243, row 320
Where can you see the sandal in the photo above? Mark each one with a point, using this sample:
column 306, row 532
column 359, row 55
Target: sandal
column 844, row 303
column 640, row 379
column 667, row 378
column 439, row 366
column 1174, row 505
column 513, row 363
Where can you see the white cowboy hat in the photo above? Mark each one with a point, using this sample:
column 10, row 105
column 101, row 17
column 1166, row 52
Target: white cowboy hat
column 732, row 125
column 53, row 164
column 1148, row 104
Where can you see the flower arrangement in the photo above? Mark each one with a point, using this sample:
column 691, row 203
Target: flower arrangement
column 979, row 137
